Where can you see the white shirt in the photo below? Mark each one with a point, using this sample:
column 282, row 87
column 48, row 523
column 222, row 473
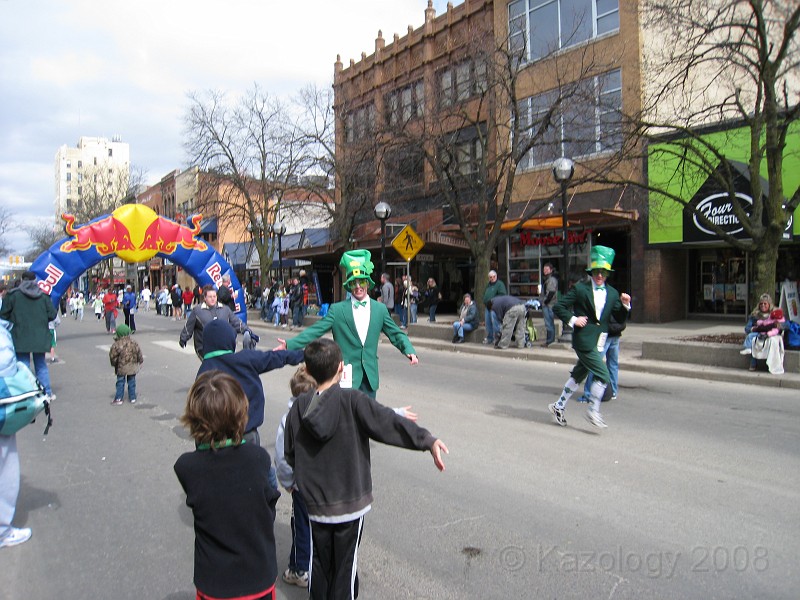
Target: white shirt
column 361, row 316
column 599, row 300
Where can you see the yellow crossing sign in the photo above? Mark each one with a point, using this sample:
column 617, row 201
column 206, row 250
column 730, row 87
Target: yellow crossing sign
column 407, row 243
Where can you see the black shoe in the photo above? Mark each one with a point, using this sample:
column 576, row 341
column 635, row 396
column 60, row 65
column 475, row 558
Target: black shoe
column 458, row 340
column 455, row 339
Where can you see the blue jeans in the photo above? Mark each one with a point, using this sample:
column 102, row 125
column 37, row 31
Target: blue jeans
column 432, row 313
column 493, row 327
column 402, row 313
column 414, row 308
column 459, row 329
column 611, row 351
column 748, row 340
column 549, row 324
column 120, row 394
column 39, row 367
column 9, row 482
column 297, row 315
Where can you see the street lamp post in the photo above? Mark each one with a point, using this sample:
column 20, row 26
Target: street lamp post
column 278, row 228
column 382, row 212
column 563, row 169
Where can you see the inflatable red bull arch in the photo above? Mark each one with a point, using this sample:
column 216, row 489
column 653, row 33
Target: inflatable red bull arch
column 134, row 233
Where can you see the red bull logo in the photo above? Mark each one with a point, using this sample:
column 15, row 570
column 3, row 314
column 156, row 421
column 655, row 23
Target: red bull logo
column 134, row 233
column 108, row 235
column 165, row 235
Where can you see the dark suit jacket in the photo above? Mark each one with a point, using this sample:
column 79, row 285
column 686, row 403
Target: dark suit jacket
column 579, row 302
column 364, row 358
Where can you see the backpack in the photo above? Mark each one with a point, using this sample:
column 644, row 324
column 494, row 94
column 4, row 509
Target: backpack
column 22, row 398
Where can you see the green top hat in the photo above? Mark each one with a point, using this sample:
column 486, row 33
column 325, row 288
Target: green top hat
column 602, row 257
column 357, row 264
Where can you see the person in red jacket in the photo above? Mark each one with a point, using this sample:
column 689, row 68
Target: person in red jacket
column 188, row 297
column 110, row 305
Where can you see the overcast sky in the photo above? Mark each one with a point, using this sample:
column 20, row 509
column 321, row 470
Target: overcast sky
column 103, row 68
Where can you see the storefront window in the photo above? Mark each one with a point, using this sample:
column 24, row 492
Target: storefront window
column 527, row 252
column 718, row 281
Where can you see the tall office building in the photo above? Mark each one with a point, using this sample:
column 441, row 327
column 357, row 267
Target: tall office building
column 94, row 172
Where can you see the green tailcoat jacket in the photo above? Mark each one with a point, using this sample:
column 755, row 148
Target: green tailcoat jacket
column 579, row 302
column 363, row 357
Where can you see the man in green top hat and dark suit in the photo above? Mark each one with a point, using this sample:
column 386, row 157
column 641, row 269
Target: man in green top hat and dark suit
column 356, row 324
column 587, row 308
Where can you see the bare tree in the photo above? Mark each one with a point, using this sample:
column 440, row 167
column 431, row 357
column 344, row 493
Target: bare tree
column 6, row 222
column 736, row 65
column 252, row 155
column 42, row 234
column 353, row 171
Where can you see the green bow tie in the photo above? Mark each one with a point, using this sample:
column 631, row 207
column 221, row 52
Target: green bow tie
column 600, row 287
column 357, row 303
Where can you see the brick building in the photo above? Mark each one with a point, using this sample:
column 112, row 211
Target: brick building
column 439, row 90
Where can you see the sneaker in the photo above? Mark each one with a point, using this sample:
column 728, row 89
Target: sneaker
column 595, row 419
column 117, row 402
column 613, row 397
column 746, row 351
column 298, row 578
column 751, row 368
column 51, row 397
column 558, row 413
column 132, row 400
column 16, row 537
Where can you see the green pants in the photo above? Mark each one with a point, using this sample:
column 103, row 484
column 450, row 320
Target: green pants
column 590, row 362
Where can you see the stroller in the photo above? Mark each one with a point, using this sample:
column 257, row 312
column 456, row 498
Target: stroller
column 531, row 306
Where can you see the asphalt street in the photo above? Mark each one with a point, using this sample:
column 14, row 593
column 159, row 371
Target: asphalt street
column 692, row 491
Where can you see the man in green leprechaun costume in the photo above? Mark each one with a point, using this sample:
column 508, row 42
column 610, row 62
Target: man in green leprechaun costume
column 357, row 324
column 587, row 308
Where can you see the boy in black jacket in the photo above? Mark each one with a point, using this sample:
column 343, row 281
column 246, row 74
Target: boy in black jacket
column 219, row 353
column 227, row 488
column 326, row 442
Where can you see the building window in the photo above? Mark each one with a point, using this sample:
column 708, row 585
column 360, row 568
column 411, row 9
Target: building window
column 80, row 164
column 588, row 120
column 538, row 28
column 464, row 154
column 110, row 152
column 404, row 104
column 69, row 176
column 359, row 123
column 404, row 167
column 95, row 161
column 461, row 82
column 69, row 190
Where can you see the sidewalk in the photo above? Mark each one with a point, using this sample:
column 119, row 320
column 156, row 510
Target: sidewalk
column 630, row 349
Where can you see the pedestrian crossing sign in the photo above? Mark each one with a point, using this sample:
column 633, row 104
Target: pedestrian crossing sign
column 407, row 243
